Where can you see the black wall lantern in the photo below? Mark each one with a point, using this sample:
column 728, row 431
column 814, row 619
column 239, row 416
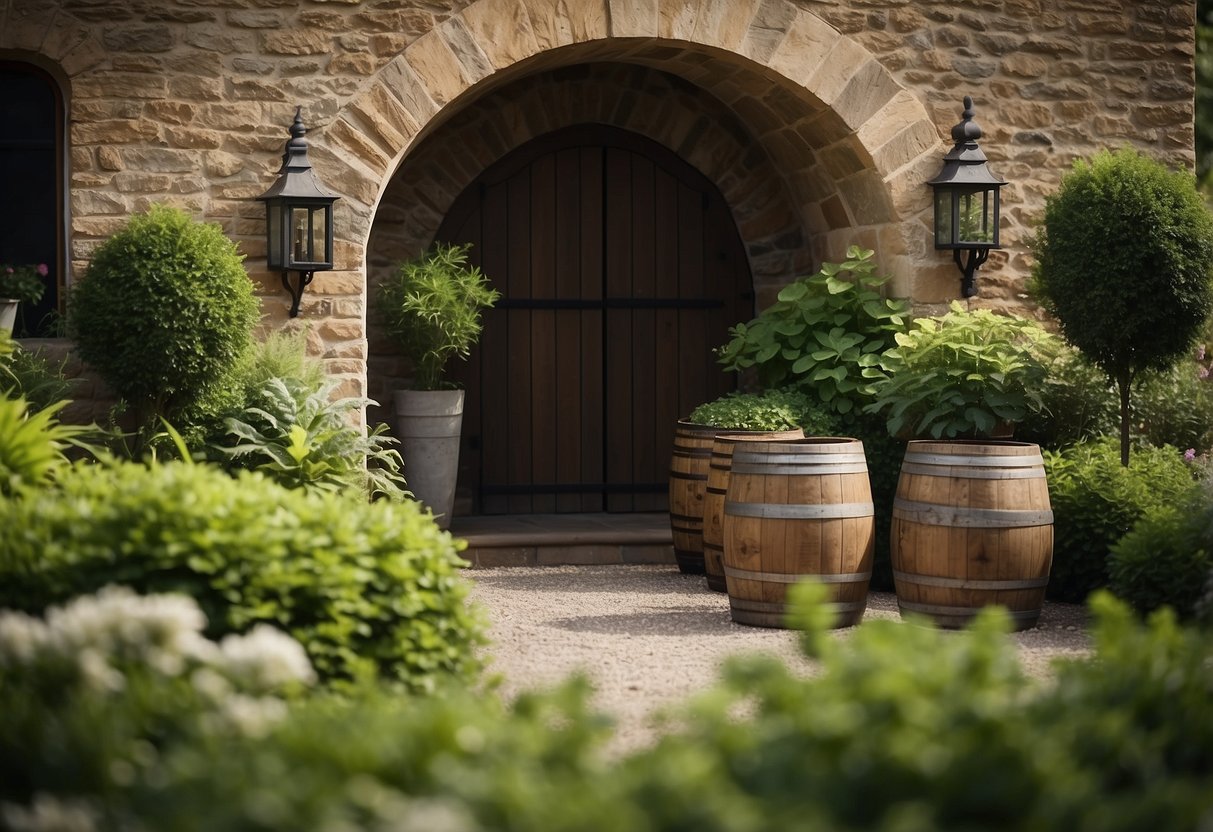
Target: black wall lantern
column 298, row 218
column 966, row 201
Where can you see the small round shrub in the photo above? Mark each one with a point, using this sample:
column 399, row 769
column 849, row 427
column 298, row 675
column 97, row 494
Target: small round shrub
column 779, row 409
column 1096, row 500
column 367, row 588
column 164, row 312
column 1166, row 560
column 1124, row 258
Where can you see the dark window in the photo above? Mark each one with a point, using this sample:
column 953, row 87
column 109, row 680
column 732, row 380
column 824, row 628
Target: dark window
column 31, row 185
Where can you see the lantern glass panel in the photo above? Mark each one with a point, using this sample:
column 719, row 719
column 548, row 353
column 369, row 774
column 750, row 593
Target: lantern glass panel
column 975, row 217
column 300, row 238
column 273, row 235
column 318, row 248
column 943, row 217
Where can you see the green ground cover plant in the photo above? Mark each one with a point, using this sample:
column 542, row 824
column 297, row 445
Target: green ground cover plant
column 904, row 728
column 367, row 588
column 1096, row 501
column 778, row 409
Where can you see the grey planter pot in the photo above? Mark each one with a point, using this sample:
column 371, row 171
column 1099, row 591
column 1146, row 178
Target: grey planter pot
column 428, row 423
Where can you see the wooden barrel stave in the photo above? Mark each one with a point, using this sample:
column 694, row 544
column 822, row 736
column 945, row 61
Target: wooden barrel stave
column 719, row 467
column 764, row 551
column 969, row 535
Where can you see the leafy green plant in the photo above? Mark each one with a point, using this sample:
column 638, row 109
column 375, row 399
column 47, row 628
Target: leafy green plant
column 1167, row 558
column 33, row 445
column 1079, row 403
column 1096, row 501
column 964, row 374
column 780, row 409
column 1175, row 406
column 164, row 312
column 303, row 438
column 822, row 332
column 26, row 374
column 1123, row 260
column 367, row 588
column 432, row 307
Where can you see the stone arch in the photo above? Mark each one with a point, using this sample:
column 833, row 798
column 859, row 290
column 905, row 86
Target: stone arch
column 854, row 145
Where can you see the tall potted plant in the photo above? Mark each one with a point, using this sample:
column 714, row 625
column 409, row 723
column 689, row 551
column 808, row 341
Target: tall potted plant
column 19, row 283
column 432, row 307
column 971, row 525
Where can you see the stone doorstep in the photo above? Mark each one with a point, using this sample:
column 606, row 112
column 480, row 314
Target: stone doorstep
column 566, row 539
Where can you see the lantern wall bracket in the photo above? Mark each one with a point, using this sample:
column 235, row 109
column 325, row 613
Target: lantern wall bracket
column 295, row 288
column 968, row 268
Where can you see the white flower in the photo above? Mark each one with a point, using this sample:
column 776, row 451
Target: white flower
column 266, row 658
column 48, row 814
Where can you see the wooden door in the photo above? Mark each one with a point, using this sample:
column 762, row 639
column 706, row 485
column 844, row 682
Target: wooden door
column 620, row 270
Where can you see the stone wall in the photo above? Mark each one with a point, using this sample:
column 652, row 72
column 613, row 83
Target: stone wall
column 824, row 117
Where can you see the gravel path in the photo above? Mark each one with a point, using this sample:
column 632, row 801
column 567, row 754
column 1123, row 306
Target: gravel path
column 650, row 636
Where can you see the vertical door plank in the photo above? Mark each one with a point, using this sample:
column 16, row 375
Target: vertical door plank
column 494, row 375
column 462, row 373
column 644, row 325
column 618, row 344
column 568, row 355
column 593, row 430
column 519, row 342
column 543, row 331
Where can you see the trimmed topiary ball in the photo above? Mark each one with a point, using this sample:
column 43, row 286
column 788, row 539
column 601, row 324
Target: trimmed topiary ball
column 164, row 312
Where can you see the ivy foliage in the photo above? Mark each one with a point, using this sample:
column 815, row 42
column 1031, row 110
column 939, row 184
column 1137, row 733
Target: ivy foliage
column 963, row 374
column 432, row 307
column 164, row 312
column 369, row 589
column 821, row 333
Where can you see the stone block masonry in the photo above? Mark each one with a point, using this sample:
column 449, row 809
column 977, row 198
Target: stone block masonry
column 819, row 119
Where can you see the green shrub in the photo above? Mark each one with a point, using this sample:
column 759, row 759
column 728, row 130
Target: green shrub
column 781, row 409
column 365, row 587
column 903, row 728
column 1096, row 501
column 1167, row 558
column 1175, row 407
column 164, row 312
column 301, row 438
column 1079, row 403
column 965, row 374
column 1123, row 260
column 823, row 331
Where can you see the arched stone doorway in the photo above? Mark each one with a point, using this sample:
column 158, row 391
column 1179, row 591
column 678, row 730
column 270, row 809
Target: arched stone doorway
column 812, row 145
column 621, row 269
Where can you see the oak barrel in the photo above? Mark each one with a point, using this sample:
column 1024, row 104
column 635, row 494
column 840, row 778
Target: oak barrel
column 798, row 509
column 719, row 464
column 972, row 526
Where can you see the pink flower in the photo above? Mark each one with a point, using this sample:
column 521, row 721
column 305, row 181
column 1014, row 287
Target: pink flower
column 42, row 269
column 1200, row 352
column 1204, row 373
column 9, row 269
column 1190, row 454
